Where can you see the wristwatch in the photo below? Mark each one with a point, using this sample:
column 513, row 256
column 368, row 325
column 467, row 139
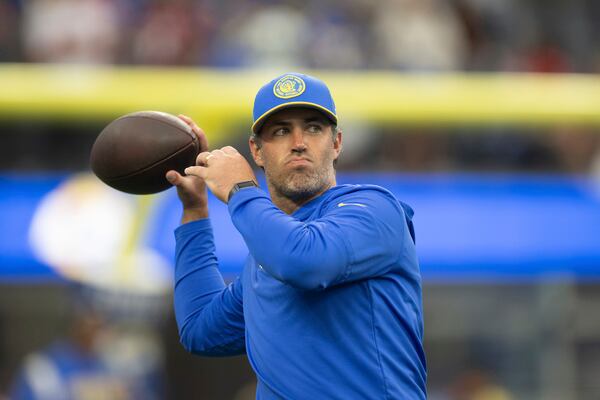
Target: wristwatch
column 239, row 186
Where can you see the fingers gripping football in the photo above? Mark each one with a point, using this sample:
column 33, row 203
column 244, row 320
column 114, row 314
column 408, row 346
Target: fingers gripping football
column 203, row 142
column 221, row 169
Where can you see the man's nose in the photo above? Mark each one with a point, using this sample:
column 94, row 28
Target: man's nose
column 298, row 140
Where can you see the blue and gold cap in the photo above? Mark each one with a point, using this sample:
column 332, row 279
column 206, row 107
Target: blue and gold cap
column 292, row 90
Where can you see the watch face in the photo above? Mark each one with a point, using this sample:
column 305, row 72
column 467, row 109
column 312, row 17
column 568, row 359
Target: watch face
column 239, row 186
column 245, row 184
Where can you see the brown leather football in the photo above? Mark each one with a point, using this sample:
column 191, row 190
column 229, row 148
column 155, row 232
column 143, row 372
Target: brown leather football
column 134, row 152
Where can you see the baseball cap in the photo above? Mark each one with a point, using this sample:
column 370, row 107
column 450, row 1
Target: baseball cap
column 292, row 90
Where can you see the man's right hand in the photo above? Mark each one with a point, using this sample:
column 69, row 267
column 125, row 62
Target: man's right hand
column 191, row 189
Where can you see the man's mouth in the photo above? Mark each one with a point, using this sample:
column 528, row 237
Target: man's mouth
column 298, row 161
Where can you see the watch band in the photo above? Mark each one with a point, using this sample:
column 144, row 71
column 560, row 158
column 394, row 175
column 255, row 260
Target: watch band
column 240, row 185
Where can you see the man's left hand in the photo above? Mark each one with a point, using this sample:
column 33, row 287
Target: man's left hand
column 221, row 169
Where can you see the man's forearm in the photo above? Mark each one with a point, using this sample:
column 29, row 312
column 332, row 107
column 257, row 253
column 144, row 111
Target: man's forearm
column 194, row 214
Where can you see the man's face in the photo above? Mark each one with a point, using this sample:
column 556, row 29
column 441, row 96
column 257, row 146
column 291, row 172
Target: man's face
column 296, row 148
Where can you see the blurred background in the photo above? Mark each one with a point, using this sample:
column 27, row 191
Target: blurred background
column 483, row 115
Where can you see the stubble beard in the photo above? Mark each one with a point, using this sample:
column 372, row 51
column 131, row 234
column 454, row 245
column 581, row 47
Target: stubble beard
column 301, row 184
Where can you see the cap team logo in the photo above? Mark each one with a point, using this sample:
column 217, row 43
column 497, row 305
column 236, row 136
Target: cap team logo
column 289, row 86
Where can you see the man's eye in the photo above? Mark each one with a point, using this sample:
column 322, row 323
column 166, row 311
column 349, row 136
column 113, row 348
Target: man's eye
column 280, row 132
column 314, row 129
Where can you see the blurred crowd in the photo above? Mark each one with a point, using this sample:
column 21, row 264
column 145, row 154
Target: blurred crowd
column 423, row 35
column 400, row 35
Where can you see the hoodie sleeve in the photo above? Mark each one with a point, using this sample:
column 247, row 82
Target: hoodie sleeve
column 359, row 236
column 209, row 313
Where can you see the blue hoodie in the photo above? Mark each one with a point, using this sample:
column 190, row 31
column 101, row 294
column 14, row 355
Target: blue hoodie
column 328, row 304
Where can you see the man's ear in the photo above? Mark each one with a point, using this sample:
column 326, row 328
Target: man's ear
column 256, row 151
column 337, row 143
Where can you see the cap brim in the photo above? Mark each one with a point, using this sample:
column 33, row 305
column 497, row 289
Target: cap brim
column 261, row 120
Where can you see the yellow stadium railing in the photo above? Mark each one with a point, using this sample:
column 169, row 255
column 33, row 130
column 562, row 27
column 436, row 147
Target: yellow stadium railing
column 221, row 99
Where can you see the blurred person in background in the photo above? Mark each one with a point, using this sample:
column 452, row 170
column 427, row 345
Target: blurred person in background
column 263, row 35
column 71, row 31
column 336, row 37
column 421, row 35
column 96, row 360
column 329, row 301
column 166, row 34
column 477, row 384
column 70, row 368
column 9, row 43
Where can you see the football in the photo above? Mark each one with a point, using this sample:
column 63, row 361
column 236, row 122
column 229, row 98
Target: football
column 134, row 152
